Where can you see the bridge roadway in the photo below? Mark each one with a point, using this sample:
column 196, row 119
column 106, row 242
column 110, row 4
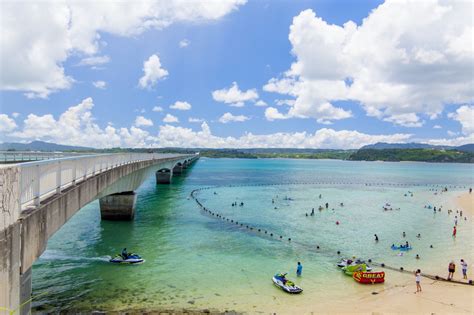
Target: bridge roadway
column 38, row 198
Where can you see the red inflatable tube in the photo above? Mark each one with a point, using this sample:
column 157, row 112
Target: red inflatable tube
column 369, row 277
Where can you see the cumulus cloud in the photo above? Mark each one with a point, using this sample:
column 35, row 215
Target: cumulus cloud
column 260, row 103
column 100, row 84
column 152, row 72
column 77, row 126
column 34, row 50
column 184, row 43
column 396, row 70
column 406, row 120
column 234, row 96
column 170, row 119
column 7, row 124
column 228, row 117
column 195, row 120
column 179, row 105
column 157, row 109
column 141, row 121
column 465, row 116
column 94, row 61
column 176, row 136
column 271, row 113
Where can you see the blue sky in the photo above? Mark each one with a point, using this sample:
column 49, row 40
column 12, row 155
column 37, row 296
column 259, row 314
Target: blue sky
column 342, row 92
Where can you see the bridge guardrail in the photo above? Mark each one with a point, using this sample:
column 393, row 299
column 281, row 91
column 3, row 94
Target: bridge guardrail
column 44, row 178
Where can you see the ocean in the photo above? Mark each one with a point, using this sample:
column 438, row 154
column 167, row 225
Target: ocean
column 198, row 261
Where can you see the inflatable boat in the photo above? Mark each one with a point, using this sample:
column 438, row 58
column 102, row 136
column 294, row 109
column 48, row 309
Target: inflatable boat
column 402, row 248
column 286, row 285
column 369, row 277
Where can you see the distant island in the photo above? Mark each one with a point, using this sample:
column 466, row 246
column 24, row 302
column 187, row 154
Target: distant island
column 393, row 152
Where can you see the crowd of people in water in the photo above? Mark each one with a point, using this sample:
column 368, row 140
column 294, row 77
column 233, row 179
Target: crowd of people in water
column 406, row 246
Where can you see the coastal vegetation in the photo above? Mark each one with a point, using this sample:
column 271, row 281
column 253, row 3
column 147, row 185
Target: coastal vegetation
column 421, row 155
column 390, row 152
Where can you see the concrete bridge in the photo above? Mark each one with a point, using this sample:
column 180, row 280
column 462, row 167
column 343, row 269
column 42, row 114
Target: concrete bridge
column 38, row 198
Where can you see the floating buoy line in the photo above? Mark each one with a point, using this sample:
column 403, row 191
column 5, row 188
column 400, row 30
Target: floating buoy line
column 269, row 235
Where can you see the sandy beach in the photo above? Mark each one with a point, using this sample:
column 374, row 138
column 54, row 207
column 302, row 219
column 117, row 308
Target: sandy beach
column 438, row 297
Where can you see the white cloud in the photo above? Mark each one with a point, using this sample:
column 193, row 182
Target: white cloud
column 437, row 127
column 260, row 103
column 141, row 121
column 452, row 133
column 452, row 141
column 174, row 136
column 179, row 105
column 228, row 117
column 157, row 109
column 94, row 61
column 406, row 120
column 195, row 120
column 15, row 115
column 170, row 119
column 465, row 116
column 271, row 113
column 7, row 124
column 184, row 43
column 234, row 96
column 100, row 84
column 37, row 38
column 77, row 126
column 285, row 102
column 409, row 66
column 152, row 72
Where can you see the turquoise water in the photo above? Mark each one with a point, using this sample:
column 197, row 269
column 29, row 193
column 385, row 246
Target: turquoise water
column 196, row 261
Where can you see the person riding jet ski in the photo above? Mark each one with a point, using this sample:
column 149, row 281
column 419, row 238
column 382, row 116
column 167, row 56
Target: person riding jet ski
column 124, row 254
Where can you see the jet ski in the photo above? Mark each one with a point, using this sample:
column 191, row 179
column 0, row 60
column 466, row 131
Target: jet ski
column 286, row 285
column 350, row 262
column 349, row 270
column 130, row 259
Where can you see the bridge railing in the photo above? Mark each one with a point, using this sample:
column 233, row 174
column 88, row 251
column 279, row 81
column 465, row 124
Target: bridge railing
column 7, row 157
column 40, row 179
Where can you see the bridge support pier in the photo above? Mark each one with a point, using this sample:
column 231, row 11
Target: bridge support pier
column 25, row 292
column 10, row 282
column 178, row 169
column 164, row 176
column 119, row 206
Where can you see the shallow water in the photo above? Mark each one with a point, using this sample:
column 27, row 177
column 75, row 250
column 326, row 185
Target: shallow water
column 196, row 261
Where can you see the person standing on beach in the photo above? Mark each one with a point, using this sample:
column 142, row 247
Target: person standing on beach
column 464, row 269
column 451, row 270
column 376, row 238
column 454, row 231
column 299, row 269
column 418, row 280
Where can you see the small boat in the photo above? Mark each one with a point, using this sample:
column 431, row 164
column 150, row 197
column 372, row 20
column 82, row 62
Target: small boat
column 130, row 259
column 369, row 277
column 286, row 285
column 349, row 262
column 402, row 248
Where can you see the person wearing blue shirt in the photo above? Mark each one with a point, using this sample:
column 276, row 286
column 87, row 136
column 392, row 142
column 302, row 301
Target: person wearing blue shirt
column 299, row 269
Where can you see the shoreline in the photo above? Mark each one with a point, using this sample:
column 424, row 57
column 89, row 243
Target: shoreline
column 395, row 296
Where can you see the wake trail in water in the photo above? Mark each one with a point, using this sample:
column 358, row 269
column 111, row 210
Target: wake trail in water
column 50, row 255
